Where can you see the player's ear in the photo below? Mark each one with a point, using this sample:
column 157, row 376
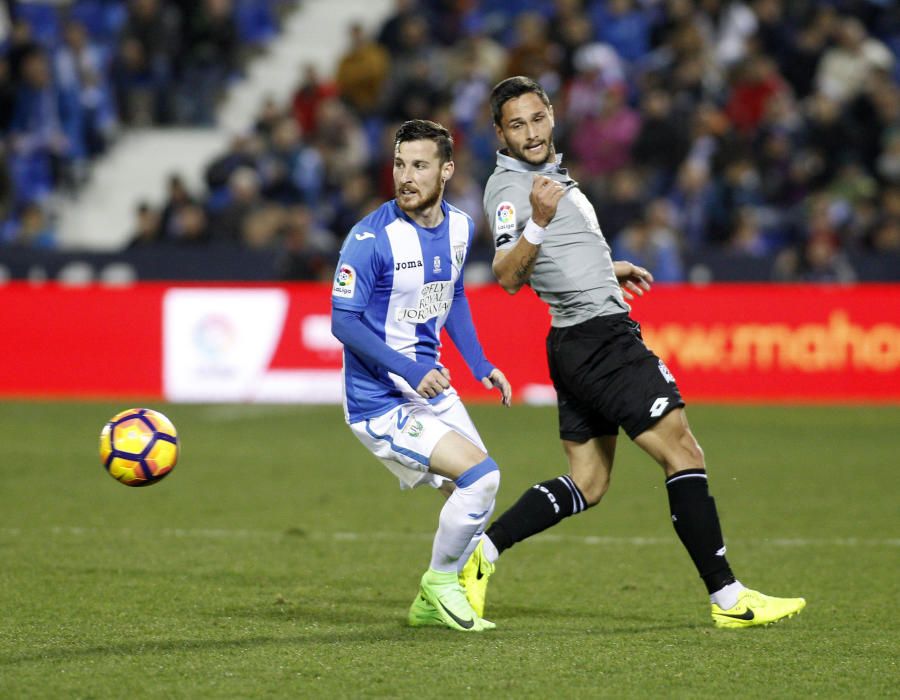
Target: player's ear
column 552, row 118
column 447, row 171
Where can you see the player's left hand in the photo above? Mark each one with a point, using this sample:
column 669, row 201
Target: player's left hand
column 632, row 279
column 497, row 379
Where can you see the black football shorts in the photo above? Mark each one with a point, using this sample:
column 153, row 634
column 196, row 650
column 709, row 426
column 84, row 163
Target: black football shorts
column 605, row 377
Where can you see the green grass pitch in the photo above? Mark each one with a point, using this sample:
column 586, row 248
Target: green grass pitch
column 279, row 558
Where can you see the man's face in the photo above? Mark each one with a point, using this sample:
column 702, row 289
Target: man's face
column 419, row 176
column 526, row 129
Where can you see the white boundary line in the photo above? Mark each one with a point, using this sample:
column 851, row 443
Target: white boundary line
column 595, row 540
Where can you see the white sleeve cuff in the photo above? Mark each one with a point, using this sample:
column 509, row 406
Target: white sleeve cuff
column 533, row 233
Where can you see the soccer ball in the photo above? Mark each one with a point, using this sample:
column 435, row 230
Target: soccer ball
column 138, row 447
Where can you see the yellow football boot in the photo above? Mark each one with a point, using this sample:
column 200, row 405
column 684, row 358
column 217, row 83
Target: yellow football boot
column 754, row 608
column 474, row 578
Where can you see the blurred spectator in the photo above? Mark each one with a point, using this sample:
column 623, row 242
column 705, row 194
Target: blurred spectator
column 291, row 171
column 569, row 29
column 32, row 229
column 756, row 82
column 308, row 251
column 244, row 151
column 886, row 237
column 624, row 26
column 532, row 53
column 146, row 227
column 178, row 197
column 844, row 67
column 21, row 44
column 310, row 93
column 888, row 163
column 207, row 60
column 414, row 97
column 803, row 55
column 622, row 205
column 244, row 198
column 362, row 72
column 342, row 142
column 598, row 69
column 602, row 143
column 818, row 260
column 7, row 189
column 729, row 23
column 695, row 198
column 81, row 76
column 651, row 242
column 350, row 203
column 390, row 35
column 662, row 142
column 45, row 129
column 7, row 95
column 747, row 237
column 144, row 63
column 487, row 53
column 261, row 227
column 191, row 225
column 471, row 90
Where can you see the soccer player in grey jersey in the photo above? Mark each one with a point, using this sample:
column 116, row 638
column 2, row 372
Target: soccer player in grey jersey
column 547, row 235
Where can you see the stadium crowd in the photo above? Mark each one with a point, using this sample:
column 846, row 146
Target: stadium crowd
column 73, row 73
column 755, row 130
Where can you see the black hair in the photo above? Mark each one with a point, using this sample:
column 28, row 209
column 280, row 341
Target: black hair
column 424, row 130
column 509, row 89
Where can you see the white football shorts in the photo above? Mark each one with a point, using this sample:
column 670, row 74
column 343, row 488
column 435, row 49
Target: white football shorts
column 404, row 438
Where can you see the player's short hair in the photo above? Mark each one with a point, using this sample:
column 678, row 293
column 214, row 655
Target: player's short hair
column 425, row 130
column 509, row 89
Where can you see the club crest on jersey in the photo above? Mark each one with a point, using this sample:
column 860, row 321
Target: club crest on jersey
column 437, row 264
column 459, row 254
column 344, row 282
column 505, row 218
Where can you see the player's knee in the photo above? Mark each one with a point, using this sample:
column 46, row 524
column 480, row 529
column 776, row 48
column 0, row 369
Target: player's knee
column 687, row 455
column 593, row 488
column 692, row 449
column 483, row 479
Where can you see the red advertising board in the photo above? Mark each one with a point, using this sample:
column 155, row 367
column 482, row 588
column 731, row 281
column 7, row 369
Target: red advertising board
column 272, row 342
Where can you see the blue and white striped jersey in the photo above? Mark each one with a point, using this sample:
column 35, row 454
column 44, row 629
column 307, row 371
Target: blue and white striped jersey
column 402, row 278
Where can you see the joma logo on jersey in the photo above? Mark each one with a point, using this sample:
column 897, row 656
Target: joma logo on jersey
column 407, row 265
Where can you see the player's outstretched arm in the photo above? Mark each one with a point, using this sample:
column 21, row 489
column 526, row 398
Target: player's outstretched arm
column 513, row 266
column 633, row 280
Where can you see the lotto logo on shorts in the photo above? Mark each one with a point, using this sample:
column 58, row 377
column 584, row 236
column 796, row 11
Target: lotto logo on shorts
column 658, row 407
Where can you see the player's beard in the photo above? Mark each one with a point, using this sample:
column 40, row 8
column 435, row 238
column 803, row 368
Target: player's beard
column 425, row 199
column 523, row 154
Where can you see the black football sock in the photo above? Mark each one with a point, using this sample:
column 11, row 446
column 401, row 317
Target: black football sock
column 697, row 524
column 540, row 507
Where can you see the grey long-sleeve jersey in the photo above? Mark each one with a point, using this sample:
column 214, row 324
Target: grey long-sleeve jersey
column 573, row 272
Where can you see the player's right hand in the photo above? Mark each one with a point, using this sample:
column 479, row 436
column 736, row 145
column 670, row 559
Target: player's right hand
column 544, row 198
column 434, row 383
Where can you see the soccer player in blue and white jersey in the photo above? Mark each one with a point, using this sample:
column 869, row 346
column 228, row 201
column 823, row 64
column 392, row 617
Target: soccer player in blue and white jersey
column 399, row 282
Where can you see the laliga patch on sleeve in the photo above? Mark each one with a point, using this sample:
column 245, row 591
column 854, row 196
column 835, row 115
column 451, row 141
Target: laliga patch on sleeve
column 504, row 219
column 344, row 282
